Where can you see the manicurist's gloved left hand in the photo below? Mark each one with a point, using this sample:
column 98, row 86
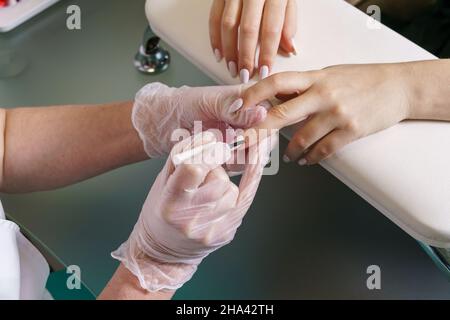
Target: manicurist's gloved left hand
column 192, row 210
column 159, row 110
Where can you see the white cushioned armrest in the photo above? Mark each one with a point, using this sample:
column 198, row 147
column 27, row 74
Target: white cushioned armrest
column 404, row 171
column 13, row 16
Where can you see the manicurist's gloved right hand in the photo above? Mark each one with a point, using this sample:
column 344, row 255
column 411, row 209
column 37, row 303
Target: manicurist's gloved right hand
column 192, row 210
column 160, row 110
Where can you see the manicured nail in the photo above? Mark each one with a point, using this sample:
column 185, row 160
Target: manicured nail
column 263, row 72
column 252, row 116
column 294, row 46
column 218, row 55
column 261, row 114
column 286, row 159
column 302, row 162
column 236, row 105
column 232, row 67
column 245, row 75
column 266, row 104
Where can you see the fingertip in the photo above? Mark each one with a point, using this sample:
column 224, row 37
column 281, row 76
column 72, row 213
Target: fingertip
column 254, row 116
column 232, row 68
column 246, row 64
column 264, row 71
column 236, row 105
column 218, row 55
column 302, row 162
column 294, row 47
column 244, row 75
column 288, row 45
column 260, row 114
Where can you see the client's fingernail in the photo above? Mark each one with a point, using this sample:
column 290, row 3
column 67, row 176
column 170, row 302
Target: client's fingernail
column 232, row 67
column 244, row 75
column 254, row 115
column 236, row 105
column 266, row 104
column 218, row 55
column 249, row 115
column 263, row 72
column 286, row 159
column 302, row 162
column 294, row 46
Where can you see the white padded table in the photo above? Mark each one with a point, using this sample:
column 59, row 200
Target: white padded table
column 13, row 16
column 403, row 171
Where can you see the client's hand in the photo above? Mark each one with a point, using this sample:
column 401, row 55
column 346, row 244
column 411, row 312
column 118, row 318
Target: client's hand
column 191, row 210
column 236, row 27
column 159, row 110
column 340, row 104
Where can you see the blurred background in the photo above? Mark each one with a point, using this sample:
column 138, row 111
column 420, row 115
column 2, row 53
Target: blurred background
column 425, row 22
column 307, row 236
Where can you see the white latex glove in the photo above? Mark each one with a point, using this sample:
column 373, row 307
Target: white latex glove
column 191, row 211
column 159, row 110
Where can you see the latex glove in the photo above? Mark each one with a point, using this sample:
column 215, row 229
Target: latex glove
column 191, row 211
column 341, row 104
column 237, row 27
column 159, row 110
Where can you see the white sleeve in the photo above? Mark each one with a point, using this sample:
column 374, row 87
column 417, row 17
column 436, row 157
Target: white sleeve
column 10, row 261
column 23, row 269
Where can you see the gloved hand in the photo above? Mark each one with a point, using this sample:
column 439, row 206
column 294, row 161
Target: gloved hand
column 191, row 211
column 159, row 110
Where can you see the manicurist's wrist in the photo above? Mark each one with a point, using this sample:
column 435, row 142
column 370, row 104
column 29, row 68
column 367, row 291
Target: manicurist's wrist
column 124, row 285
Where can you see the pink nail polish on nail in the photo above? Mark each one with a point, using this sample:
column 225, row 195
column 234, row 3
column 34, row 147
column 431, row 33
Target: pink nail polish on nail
column 302, row 162
column 245, row 76
column 232, row 67
column 236, row 105
column 218, row 55
column 263, row 72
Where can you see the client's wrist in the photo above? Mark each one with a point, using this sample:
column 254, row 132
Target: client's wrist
column 428, row 90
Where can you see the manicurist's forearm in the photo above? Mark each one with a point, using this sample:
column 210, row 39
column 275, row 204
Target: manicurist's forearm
column 50, row 147
column 125, row 286
column 429, row 89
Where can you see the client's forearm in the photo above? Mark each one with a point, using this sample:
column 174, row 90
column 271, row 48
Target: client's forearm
column 125, row 286
column 50, row 147
column 429, row 83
